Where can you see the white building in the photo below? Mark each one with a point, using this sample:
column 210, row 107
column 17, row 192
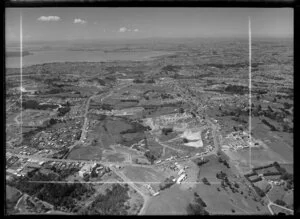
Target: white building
column 157, row 162
column 181, row 172
column 181, row 178
column 156, row 193
column 85, row 169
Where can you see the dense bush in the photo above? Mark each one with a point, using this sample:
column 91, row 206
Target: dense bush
column 272, row 127
column 205, row 181
column 197, row 207
column 138, row 81
column 221, row 160
column 221, row 175
column 280, row 202
column 59, row 195
column 151, row 156
column 236, row 89
column 166, row 131
column 105, row 106
column 166, row 184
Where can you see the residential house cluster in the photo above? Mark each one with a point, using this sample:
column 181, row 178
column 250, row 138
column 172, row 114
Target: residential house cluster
column 94, row 170
column 238, row 140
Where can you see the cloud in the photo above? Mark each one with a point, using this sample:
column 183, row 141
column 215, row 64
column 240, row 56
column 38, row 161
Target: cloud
column 79, row 21
column 123, row 29
column 49, row 18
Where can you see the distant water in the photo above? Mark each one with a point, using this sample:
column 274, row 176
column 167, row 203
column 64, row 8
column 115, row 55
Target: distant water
column 41, row 57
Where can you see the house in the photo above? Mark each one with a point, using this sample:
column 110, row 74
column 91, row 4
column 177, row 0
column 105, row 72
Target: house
column 156, row 193
column 181, row 178
column 181, row 171
column 86, row 169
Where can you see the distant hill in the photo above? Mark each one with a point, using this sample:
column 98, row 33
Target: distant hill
column 17, row 53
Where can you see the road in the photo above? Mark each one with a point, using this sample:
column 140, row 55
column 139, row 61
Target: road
column 167, row 146
column 82, row 161
column 112, row 164
column 83, row 129
column 130, row 183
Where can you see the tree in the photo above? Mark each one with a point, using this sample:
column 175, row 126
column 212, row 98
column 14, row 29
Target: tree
column 280, row 202
column 196, row 209
column 205, row 181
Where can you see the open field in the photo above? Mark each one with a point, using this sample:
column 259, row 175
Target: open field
column 171, row 201
column 278, row 210
column 114, row 157
column 274, row 142
column 212, row 167
column 259, row 157
column 89, row 152
column 223, row 202
column 141, row 174
column 278, row 193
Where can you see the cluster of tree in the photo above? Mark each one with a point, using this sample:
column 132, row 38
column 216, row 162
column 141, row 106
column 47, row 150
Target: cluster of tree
column 197, row 207
column 221, row 175
column 205, row 181
column 225, row 182
column 64, row 173
column 272, row 127
column 272, row 173
column 101, row 117
column 138, row 81
column 167, row 183
column 166, row 96
column 27, row 136
column 151, row 156
column 105, row 106
column 98, row 80
column 280, row 202
column 166, row 131
column 170, row 68
column 136, row 127
column 63, row 110
column 200, row 161
column 224, row 161
column 112, row 203
column 287, row 105
column 33, row 104
column 236, row 89
column 60, row 154
column 265, row 166
column 111, row 78
column 57, row 194
column 257, row 179
column 234, row 65
column 150, row 81
column 259, row 191
column 185, row 140
column 129, row 100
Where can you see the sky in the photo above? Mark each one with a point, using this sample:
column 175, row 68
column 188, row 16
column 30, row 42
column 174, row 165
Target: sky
column 59, row 24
